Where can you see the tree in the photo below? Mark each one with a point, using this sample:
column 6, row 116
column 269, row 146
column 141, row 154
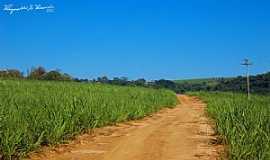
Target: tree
column 11, row 73
column 165, row 84
column 140, row 82
column 37, row 73
column 103, row 79
column 56, row 76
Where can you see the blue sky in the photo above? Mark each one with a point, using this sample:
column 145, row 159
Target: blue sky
column 155, row 39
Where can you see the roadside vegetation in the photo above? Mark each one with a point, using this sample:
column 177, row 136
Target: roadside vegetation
column 35, row 113
column 244, row 125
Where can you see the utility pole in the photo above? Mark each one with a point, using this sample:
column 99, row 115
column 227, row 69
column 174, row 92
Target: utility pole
column 247, row 63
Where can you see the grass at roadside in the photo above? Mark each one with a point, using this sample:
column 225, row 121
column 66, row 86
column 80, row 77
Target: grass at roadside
column 245, row 125
column 33, row 113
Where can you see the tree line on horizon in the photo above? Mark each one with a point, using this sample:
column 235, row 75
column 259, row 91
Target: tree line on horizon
column 259, row 83
column 36, row 73
column 40, row 73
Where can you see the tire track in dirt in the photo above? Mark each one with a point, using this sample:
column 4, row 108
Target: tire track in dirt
column 181, row 133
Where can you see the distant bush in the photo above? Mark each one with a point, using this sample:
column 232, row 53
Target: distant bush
column 37, row 73
column 10, row 73
column 57, row 76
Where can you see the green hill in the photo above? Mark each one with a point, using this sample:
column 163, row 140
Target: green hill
column 259, row 84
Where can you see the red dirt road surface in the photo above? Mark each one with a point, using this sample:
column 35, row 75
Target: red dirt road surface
column 181, row 133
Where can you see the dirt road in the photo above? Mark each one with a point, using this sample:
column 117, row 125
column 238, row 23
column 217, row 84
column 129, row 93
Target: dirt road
column 181, row 133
